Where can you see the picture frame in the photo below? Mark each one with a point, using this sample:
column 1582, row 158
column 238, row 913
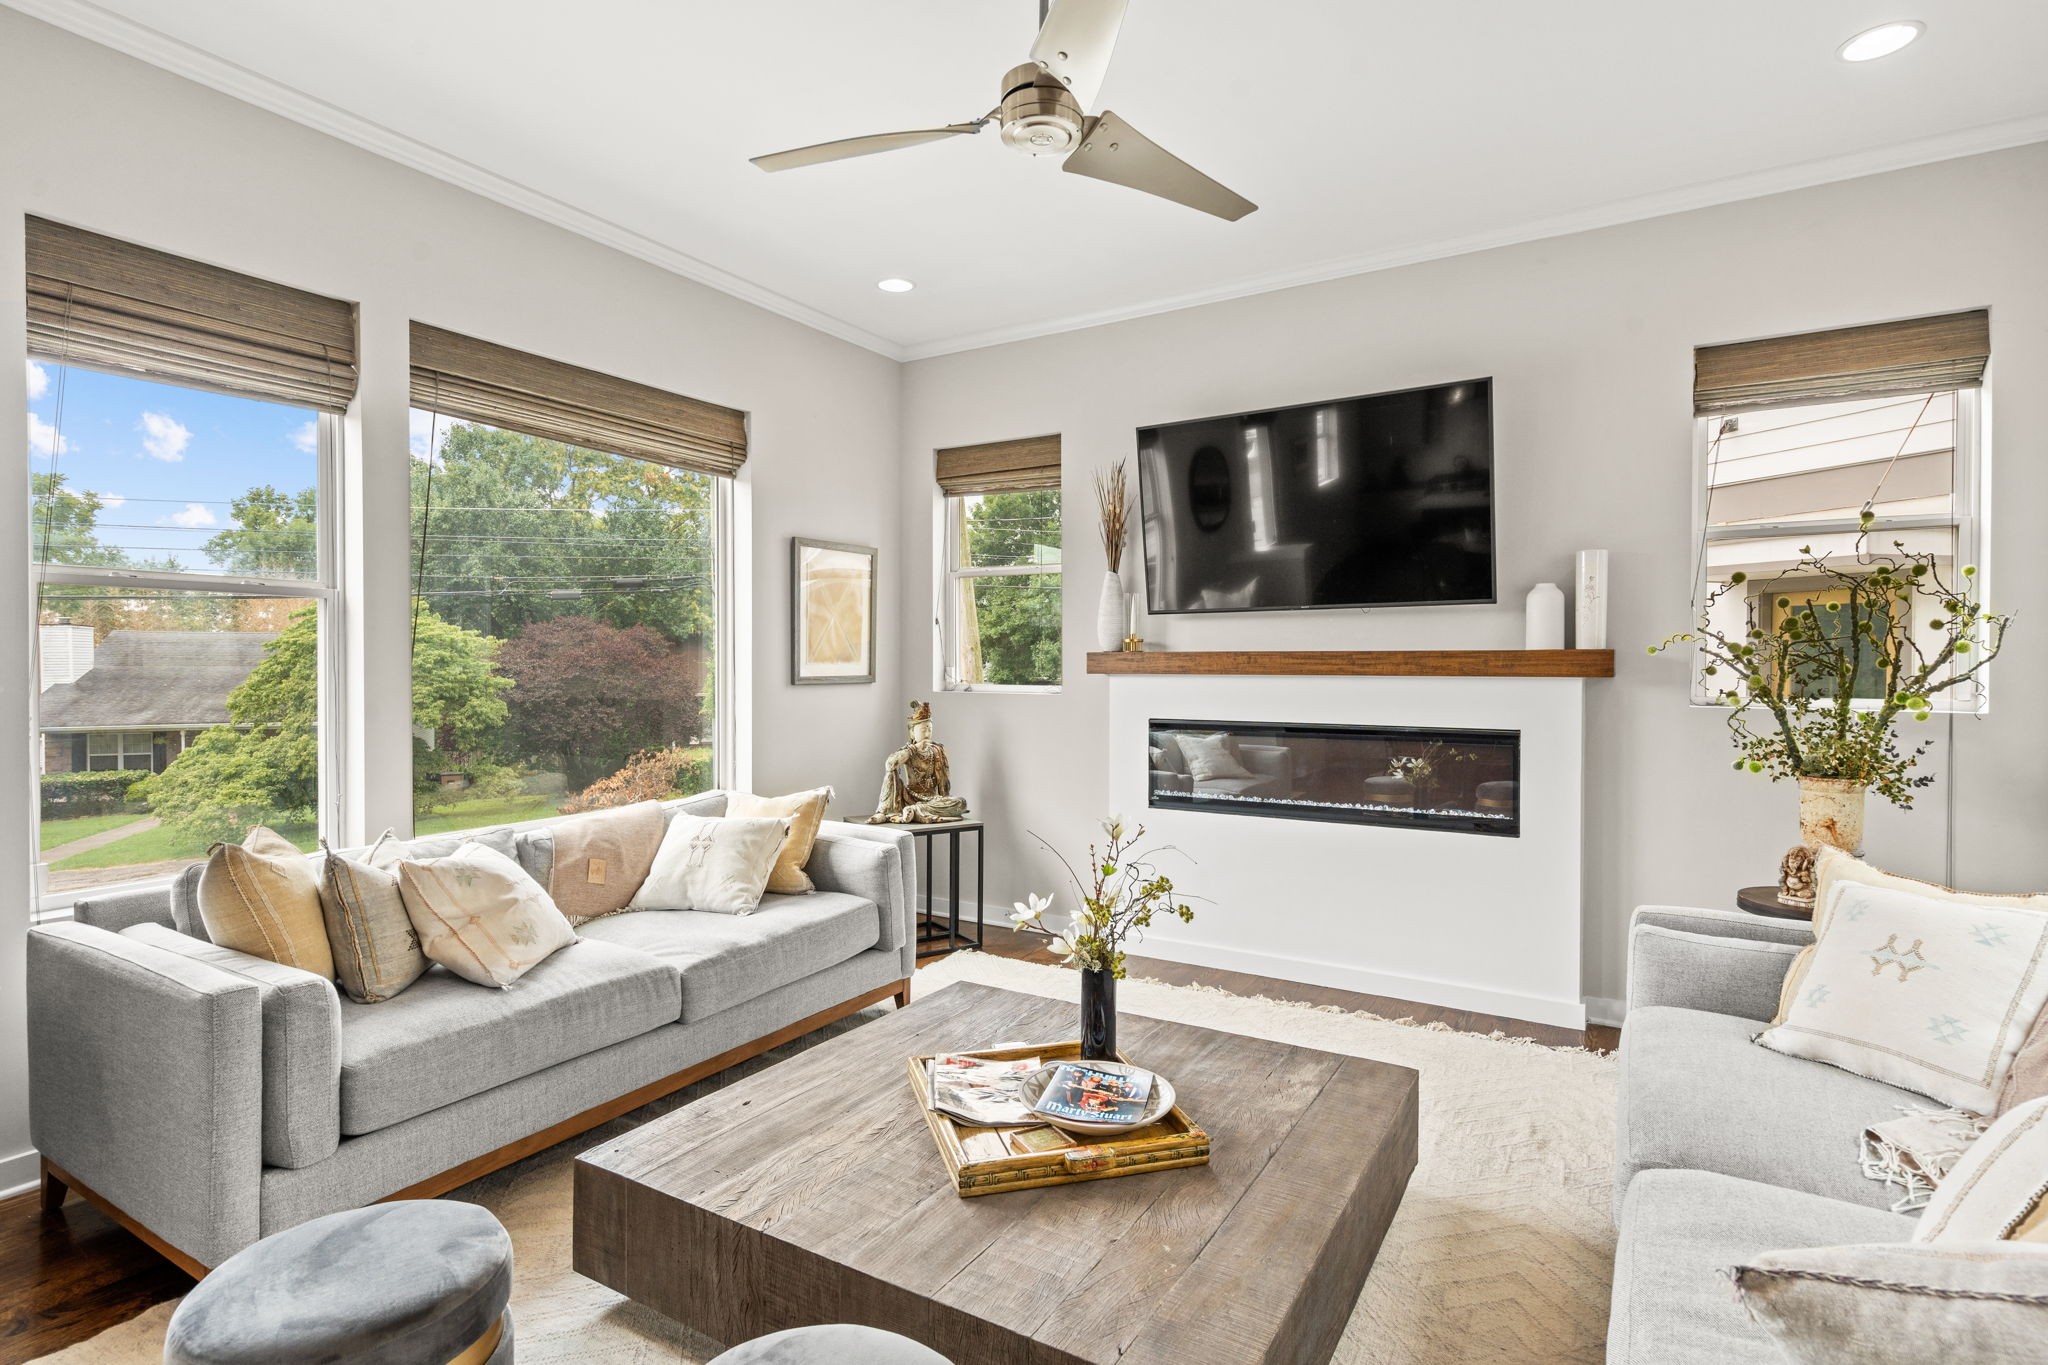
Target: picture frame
column 833, row 599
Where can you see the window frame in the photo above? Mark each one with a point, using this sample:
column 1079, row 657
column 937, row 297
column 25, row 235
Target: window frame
column 954, row 573
column 1968, row 518
column 324, row 589
column 726, row 695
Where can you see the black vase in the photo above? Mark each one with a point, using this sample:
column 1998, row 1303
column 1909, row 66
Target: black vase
column 1098, row 1016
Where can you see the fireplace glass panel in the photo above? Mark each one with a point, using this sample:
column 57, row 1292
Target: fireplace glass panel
column 1463, row 780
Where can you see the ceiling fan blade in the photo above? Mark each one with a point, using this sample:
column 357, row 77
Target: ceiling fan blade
column 860, row 146
column 1112, row 150
column 1075, row 43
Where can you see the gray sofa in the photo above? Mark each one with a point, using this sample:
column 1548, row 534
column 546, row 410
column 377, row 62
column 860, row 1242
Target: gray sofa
column 208, row 1098
column 1725, row 1150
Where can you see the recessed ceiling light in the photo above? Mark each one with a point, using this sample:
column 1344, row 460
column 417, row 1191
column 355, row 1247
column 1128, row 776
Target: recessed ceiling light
column 1881, row 41
column 892, row 285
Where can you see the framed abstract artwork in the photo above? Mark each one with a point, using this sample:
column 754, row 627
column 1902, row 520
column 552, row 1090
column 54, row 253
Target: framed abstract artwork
column 832, row 612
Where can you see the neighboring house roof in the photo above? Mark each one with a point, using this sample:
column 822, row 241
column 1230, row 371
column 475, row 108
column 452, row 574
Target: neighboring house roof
column 143, row 679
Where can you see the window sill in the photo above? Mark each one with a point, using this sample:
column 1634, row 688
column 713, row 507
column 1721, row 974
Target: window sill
column 1017, row 689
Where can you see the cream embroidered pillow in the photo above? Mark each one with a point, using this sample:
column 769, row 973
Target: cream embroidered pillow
column 717, row 864
column 1998, row 1189
column 1209, row 757
column 1927, row 996
column 480, row 915
column 262, row 898
column 1833, row 869
column 805, row 811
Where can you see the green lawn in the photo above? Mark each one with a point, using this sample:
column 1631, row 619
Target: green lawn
column 473, row 814
column 160, row 845
column 55, row 832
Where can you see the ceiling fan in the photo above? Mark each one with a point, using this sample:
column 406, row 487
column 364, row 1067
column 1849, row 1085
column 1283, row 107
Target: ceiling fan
column 1041, row 114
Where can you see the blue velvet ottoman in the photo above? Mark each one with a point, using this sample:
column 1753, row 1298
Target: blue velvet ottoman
column 838, row 1344
column 417, row 1282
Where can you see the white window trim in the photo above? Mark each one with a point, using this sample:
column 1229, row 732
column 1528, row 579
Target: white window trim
column 1970, row 517
column 324, row 589
column 946, row 617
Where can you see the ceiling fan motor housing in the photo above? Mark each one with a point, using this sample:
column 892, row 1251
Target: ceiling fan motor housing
column 1040, row 115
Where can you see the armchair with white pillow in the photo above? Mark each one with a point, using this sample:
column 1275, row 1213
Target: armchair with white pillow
column 1752, row 1228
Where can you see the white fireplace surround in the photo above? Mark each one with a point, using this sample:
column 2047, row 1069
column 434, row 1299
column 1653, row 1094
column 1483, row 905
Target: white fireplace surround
column 1449, row 918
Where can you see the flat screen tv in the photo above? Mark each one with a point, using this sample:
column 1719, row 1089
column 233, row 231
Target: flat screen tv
column 1380, row 501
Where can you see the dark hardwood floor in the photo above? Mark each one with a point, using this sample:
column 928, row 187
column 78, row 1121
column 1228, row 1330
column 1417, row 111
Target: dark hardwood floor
column 70, row 1274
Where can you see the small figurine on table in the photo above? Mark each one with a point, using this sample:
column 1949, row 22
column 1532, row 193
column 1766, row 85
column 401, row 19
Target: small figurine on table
column 917, row 786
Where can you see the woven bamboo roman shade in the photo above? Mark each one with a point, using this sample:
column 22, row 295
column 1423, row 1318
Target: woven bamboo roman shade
column 112, row 305
column 1914, row 356
column 1000, row 466
column 477, row 381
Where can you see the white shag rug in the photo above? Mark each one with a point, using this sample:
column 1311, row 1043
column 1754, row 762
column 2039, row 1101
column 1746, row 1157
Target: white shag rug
column 1502, row 1250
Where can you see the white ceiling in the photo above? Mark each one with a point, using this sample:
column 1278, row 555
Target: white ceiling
column 1370, row 132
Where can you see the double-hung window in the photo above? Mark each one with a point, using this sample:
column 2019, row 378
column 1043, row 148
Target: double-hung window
column 1810, row 445
column 999, row 614
column 567, row 578
column 183, row 435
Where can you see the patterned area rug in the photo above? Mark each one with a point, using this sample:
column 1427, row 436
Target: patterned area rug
column 1502, row 1250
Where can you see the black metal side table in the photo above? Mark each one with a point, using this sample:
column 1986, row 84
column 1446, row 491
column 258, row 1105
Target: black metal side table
column 945, row 936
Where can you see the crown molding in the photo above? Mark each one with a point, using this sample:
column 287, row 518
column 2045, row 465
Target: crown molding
column 102, row 26
column 124, row 35
column 1803, row 175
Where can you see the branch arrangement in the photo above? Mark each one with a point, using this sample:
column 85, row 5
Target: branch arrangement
column 1123, row 891
column 1112, row 496
column 1799, row 664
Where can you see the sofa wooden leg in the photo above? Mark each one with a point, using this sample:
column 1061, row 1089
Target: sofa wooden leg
column 903, row 996
column 54, row 1189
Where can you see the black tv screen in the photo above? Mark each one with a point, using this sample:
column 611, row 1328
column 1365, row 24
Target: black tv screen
column 1380, row 501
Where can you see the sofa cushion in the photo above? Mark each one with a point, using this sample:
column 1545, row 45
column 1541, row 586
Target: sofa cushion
column 1696, row 1094
column 445, row 1039
column 726, row 960
column 1682, row 1232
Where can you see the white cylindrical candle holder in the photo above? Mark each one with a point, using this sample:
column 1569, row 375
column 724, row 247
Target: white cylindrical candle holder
column 1543, row 621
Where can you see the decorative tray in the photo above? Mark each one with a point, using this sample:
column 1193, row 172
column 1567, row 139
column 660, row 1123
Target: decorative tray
column 991, row 1160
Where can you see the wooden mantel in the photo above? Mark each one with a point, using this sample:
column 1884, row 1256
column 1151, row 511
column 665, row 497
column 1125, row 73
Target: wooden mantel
column 1361, row 663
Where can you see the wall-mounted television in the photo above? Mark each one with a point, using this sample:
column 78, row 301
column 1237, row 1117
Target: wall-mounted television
column 1380, row 501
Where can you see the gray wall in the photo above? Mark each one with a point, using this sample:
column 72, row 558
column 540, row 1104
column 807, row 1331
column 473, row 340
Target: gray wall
column 109, row 143
column 1589, row 339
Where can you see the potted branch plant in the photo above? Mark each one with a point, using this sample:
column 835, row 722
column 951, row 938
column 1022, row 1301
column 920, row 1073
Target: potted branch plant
column 1825, row 659
column 1113, row 502
column 1122, row 892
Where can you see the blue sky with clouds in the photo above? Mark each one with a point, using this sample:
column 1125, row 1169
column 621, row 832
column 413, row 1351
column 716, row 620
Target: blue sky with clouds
column 165, row 461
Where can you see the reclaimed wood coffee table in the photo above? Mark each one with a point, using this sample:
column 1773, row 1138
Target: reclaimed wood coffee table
column 811, row 1192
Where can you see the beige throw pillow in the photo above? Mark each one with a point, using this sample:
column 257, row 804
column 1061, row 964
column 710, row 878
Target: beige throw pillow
column 481, row 916
column 1995, row 1191
column 602, row 857
column 805, row 811
column 719, row 864
column 1209, row 757
column 262, row 898
column 1902, row 1303
column 1834, row 869
column 376, row 950
column 1920, row 994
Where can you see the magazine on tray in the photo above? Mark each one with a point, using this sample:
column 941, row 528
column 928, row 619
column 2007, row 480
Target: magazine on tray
column 1076, row 1090
column 980, row 1091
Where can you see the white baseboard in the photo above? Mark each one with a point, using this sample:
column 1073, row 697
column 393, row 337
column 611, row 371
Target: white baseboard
column 19, row 1173
column 1602, row 1010
column 1450, row 994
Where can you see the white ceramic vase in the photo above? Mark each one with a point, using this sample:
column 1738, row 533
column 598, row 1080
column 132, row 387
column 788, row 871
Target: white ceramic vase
column 1543, row 618
column 1109, row 618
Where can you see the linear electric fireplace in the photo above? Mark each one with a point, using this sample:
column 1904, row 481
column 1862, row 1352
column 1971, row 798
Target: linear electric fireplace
column 1466, row 780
